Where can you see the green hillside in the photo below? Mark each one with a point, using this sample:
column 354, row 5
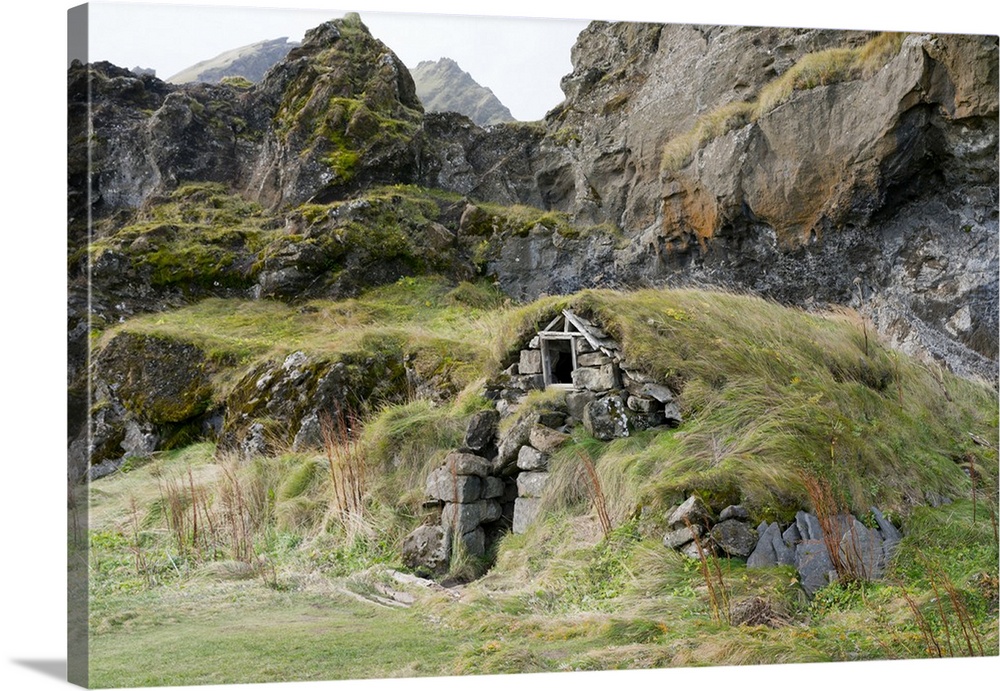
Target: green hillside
column 772, row 398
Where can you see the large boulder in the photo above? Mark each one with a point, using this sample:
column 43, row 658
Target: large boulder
column 607, row 418
column 150, row 393
column 156, row 379
column 427, row 548
column 734, row 537
column 302, row 397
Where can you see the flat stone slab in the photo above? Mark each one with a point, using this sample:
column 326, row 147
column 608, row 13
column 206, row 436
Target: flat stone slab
column 530, row 362
column 771, row 549
column 443, row 485
column 531, row 484
column 675, row 539
column 692, row 511
column 460, row 463
column 546, row 439
column 812, row 560
column 526, row 510
column 595, row 378
column 530, row 458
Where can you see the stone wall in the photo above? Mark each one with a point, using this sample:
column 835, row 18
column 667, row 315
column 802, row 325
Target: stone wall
column 608, row 395
column 805, row 544
column 495, row 482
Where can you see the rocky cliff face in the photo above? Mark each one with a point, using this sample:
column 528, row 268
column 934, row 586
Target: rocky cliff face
column 813, row 167
column 444, row 87
column 876, row 188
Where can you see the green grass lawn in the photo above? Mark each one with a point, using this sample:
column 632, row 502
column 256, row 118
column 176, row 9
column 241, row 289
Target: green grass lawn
column 210, row 633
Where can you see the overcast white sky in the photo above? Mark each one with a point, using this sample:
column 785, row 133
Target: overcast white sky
column 521, row 60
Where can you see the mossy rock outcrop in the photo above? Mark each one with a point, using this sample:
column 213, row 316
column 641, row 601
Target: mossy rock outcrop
column 279, row 404
column 346, row 114
column 147, row 387
column 156, row 379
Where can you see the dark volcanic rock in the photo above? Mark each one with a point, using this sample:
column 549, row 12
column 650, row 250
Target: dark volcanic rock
column 771, row 549
column 481, row 432
column 149, row 393
column 155, row 379
column 734, row 537
column 346, row 115
column 290, row 401
column 894, row 181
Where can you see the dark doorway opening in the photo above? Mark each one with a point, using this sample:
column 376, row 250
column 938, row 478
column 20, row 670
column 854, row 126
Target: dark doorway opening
column 559, row 355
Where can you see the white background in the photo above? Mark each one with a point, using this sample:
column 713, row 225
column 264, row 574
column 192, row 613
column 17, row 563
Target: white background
column 32, row 379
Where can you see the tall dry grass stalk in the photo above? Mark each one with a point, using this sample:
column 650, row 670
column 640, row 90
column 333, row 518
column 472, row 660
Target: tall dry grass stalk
column 347, row 464
column 181, row 503
column 202, row 527
column 237, row 518
column 711, row 573
column 138, row 556
column 957, row 630
column 848, row 560
column 593, row 484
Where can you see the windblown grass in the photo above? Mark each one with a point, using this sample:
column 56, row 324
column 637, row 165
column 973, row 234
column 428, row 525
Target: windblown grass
column 767, row 392
column 439, row 327
column 768, row 395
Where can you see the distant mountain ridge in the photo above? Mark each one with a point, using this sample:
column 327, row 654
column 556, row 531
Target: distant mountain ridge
column 250, row 62
column 444, row 87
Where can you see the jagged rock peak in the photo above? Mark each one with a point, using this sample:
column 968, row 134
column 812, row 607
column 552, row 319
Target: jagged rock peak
column 345, row 115
column 343, row 54
column 443, row 86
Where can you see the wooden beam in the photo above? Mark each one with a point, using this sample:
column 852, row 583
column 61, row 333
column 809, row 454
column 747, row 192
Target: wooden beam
column 584, row 331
